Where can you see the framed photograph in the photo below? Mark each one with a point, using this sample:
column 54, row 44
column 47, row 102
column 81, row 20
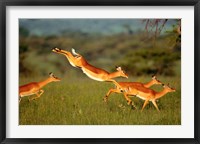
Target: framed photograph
column 99, row 71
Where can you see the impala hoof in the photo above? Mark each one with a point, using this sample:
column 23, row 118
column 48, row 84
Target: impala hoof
column 129, row 102
column 105, row 99
column 56, row 49
column 133, row 107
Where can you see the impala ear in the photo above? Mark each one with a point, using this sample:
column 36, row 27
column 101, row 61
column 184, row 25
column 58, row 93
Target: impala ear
column 119, row 68
column 154, row 76
column 51, row 74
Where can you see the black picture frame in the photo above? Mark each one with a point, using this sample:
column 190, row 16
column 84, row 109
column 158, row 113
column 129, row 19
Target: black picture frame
column 5, row 3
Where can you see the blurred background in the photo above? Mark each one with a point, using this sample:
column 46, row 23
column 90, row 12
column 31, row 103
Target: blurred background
column 140, row 46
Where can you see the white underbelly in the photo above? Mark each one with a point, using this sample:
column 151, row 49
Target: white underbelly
column 26, row 94
column 143, row 98
column 91, row 76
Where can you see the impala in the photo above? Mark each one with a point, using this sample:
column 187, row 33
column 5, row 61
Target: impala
column 91, row 71
column 146, row 94
column 125, row 85
column 36, row 87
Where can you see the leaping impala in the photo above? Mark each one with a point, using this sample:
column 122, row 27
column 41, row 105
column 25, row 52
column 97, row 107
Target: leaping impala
column 36, row 87
column 146, row 94
column 91, row 71
column 125, row 85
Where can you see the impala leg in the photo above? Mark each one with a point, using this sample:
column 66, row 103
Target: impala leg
column 41, row 92
column 129, row 101
column 38, row 94
column 145, row 103
column 133, row 106
column 33, row 98
column 111, row 80
column 71, row 56
column 154, row 103
column 109, row 92
column 66, row 53
column 78, row 57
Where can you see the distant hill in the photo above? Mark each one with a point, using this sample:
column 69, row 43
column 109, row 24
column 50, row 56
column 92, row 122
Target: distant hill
column 88, row 26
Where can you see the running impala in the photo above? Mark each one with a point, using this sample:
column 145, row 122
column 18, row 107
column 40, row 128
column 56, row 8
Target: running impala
column 36, row 87
column 146, row 94
column 91, row 71
column 125, row 85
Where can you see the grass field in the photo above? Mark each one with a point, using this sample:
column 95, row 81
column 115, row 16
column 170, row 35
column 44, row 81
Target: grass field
column 78, row 100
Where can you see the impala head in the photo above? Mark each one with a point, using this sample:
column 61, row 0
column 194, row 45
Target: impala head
column 155, row 80
column 168, row 88
column 53, row 77
column 121, row 72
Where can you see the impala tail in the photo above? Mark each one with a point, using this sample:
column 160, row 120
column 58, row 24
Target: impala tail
column 74, row 53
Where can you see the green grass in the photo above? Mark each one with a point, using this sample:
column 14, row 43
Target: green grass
column 78, row 100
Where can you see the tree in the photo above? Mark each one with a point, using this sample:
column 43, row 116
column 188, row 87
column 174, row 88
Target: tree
column 154, row 27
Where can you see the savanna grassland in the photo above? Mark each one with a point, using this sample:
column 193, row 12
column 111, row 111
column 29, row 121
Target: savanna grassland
column 77, row 99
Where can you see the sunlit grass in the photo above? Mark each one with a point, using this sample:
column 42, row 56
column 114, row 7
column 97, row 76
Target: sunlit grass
column 78, row 100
